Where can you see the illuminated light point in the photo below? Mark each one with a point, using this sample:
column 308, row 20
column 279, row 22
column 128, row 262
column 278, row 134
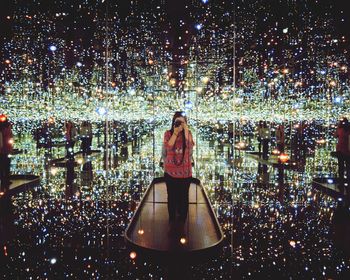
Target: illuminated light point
column 183, row 240
column 285, row 30
column 54, row 171
column 3, row 118
column 198, row 26
column 140, row 231
column 283, row 158
column 51, row 120
column 133, row 255
column 205, row 1
column 132, row 91
column 330, row 181
column 102, row 111
column 53, row 260
column 241, row 145
column 53, row 48
column 80, row 160
column 292, row 243
column 205, row 80
column 7, row 61
column 173, row 82
column 188, row 104
column 79, row 64
column 337, row 99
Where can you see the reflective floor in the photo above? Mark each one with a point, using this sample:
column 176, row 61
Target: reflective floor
column 72, row 226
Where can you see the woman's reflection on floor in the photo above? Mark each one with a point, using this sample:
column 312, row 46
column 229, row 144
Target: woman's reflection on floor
column 7, row 228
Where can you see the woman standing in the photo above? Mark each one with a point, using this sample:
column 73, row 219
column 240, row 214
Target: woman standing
column 177, row 154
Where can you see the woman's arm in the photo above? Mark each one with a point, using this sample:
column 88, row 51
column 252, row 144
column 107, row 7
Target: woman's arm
column 173, row 137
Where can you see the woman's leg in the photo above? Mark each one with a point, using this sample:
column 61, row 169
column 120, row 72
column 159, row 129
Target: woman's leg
column 171, row 189
column 184, row 190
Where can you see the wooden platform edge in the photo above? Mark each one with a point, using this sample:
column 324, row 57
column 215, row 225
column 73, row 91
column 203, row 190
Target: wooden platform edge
column 149, row 251
column 34, row 181
column 318, row 184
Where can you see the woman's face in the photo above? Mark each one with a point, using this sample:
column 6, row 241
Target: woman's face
column 180, row 119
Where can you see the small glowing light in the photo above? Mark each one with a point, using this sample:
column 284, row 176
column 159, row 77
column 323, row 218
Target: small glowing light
column 140, row 232
column 199, row 89
column 53, row 260
column 53, row 48
column 330, row 181
column 275, row 152
column 53, row 171
column 338, row 99
column 285, row 30
column 133, row 255
column 80, row 160
column 79, row 64
column 132, row 91
column 292, row 243
column 205, row 80
column 283, row 158
column 198, row 26
column 321, row 141
column 102, row 111
column 51, row 120
column 188, row 104
column 3, row 118
column 182, row 240
column 241, row 145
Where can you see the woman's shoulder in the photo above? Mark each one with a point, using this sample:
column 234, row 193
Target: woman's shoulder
column 167, row 133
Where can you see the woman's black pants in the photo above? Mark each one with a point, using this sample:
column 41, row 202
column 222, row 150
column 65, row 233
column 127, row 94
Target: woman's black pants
column 177, row 189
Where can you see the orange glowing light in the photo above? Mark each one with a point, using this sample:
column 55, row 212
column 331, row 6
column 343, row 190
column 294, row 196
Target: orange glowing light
column 283, row 158
column 51, row 120
column 133, row 255
column 321, row 141
column 3, row 118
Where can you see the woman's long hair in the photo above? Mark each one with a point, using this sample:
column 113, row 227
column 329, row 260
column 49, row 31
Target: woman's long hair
column 177, row 115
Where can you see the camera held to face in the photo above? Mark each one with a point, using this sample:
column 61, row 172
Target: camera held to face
column 178, row 123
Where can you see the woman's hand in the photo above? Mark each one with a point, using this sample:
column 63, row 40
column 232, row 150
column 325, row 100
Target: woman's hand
column 185, row 126
column 178, row 129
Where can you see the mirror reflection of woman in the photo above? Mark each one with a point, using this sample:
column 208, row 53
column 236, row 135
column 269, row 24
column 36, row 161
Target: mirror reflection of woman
column 177, row 155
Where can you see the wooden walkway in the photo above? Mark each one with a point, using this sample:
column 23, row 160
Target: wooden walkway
column 329, row 186
column 149, row 231
column 20, row 183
